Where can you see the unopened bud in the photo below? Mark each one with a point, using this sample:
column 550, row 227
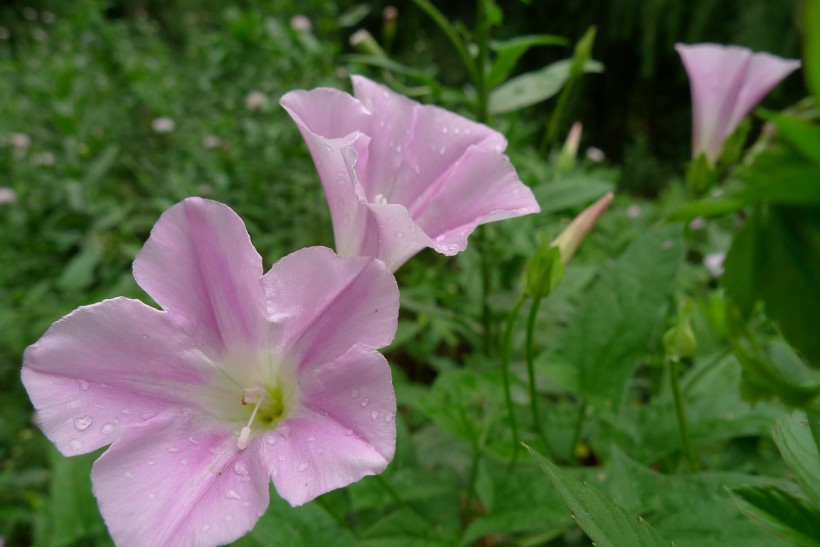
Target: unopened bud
column 363, row 42
column 679, row 342
column 389, row 17
column 566, row 158
column 571, row 238
column 544, row 271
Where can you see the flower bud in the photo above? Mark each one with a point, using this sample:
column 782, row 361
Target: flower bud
column 679, row 342
column 574, row 234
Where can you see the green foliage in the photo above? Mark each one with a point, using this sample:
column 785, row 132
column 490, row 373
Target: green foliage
column 617, row 319
column 602, row 519
column 799, row 443
column 784, row 514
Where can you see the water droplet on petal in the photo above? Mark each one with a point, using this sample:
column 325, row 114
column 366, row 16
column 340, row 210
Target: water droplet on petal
column 390, row 416
column 374, row 415
column 311, row 439
column 328, row 148
column 271, row 439
column 107, row 428
column 281, row 457
column 83, row 423
column 173, row 449
column 232, row 495
column 246, row 504
column 129, row 475
column 386, row 94
column 147, row 416
column 284, row 430
column 125, row 411
column 74, row 404
column 151, row 495
column 75, row 444
column 399, row 235
column 354, row 394
column 83, row 385
column 105, row 386
column 303, row 466
column 240, row 468
column 444, row 130
column 228, row 518
column 442, row 150
column 365, row 402
column 151, row 462
column 206, row 527
column 192, row 440
column 184, row 461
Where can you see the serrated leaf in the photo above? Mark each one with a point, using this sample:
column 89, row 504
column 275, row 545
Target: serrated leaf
column 536, row 86
column 785, row 515
column 603, row 521
column 305, row 526
column 798, row 446
column 617, row 319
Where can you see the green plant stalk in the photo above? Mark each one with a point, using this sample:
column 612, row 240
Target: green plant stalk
column 451, row 33
column 484, row 267
column 482, row 38
column 680, row 410
column 536, row 416
column 576, row 434
column 505, row 368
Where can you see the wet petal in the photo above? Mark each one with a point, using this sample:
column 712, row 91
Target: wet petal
column 108, row 366
column 325, row 304
column 344, row 430
column 200, row 266
column 174, row 481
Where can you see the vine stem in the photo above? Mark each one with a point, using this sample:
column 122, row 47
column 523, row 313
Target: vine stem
column 530, row 353
column 680, row 410
column 512, row 318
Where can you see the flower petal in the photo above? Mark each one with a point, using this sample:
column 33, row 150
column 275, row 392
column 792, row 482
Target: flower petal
column 726, row 82
column 325, row 304
column 481, row 187
column 200, row 266
column 344, row 429
column 173, row 481
column 108, row 366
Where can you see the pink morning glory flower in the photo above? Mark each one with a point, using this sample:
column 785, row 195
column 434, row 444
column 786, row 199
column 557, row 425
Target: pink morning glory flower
column 726, row 83
column 400, row 176
column 240, row 378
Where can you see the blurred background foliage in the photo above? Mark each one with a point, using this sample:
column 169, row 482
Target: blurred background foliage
column 111, row 111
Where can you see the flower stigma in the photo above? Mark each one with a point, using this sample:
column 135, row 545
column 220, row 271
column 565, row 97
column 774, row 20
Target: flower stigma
column 268, row 406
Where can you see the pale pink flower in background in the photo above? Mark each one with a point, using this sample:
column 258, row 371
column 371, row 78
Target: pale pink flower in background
column 20, row 140
column 400, row 176
column 209, row 142
column 4, row 33
column 163, row 125
column 595, row 154
column 698, row 223
column 633, row 211
column 300, row 23
column 256, row 100
column 240, row 378
column 7, row 195
column 726, row 82
column 714, row 263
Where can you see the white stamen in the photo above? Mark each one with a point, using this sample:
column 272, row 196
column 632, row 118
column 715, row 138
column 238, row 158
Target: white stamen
column 245, row 433
column 379, row 199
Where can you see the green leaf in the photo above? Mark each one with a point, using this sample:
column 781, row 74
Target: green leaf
column 71, row 516
column 794, row 438
column 308, row 526
column 354, row 15
column 536, row 86
column 780, row 175
column 619, row 317
column 78, row 274
column 785, row 515
column 571, row 192
column 742, row 266
column 811, row 46
column 509, row 51
column 802, row 135
column 403, row 528
column 603, row 521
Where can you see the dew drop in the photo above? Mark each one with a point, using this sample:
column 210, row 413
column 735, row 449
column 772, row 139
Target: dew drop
column 184, row 461
column 83, row 423
column 147, row 416
column 381, row 123
column 74, row 404
column 75, row 444
column 206, row 527
column 349, row 432
column 444, row 130
column 129, row 475
column 192, row 440
column 311, row 439
column 390, row 416
column 354, row 394
column 442, row 150
column 398, row 149
column 240, row 468
column 374, row 415
column 151, row 462
column 281, row 457
column 105, row 386
column 328, row 148
column 321, row 451
column 228, row 518
column 271, row 439
column 386, row 94
column 365, row 402
column 232, row 495
column 246, row 504
column 151, row 495
column 83, row 385
column 125, row 411
column 456, row 130
column 399, row 235
column 173, row 449
column 284, row 430
column 107, row 428
column 303, row 466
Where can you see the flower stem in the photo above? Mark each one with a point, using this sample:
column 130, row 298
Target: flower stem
column 505, row 368
column 536, row 416
column 452, row 34
column 681, row 412
column 482, row 38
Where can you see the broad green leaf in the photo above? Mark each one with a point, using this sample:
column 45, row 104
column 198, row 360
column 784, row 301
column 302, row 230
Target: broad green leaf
column 71, row 516
column 78, row 274
column 693, row 510
column 603, row 521
column 305, row 526
column 509, row 51
column 811, row 46
column 404, row 528
column 785, row 515
column 742, row 266
column 707, row 208
column 794, row 438
column 801, row 134
column 618, row 318
column 782, row 175
column 519, row 506
column 536, row 86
